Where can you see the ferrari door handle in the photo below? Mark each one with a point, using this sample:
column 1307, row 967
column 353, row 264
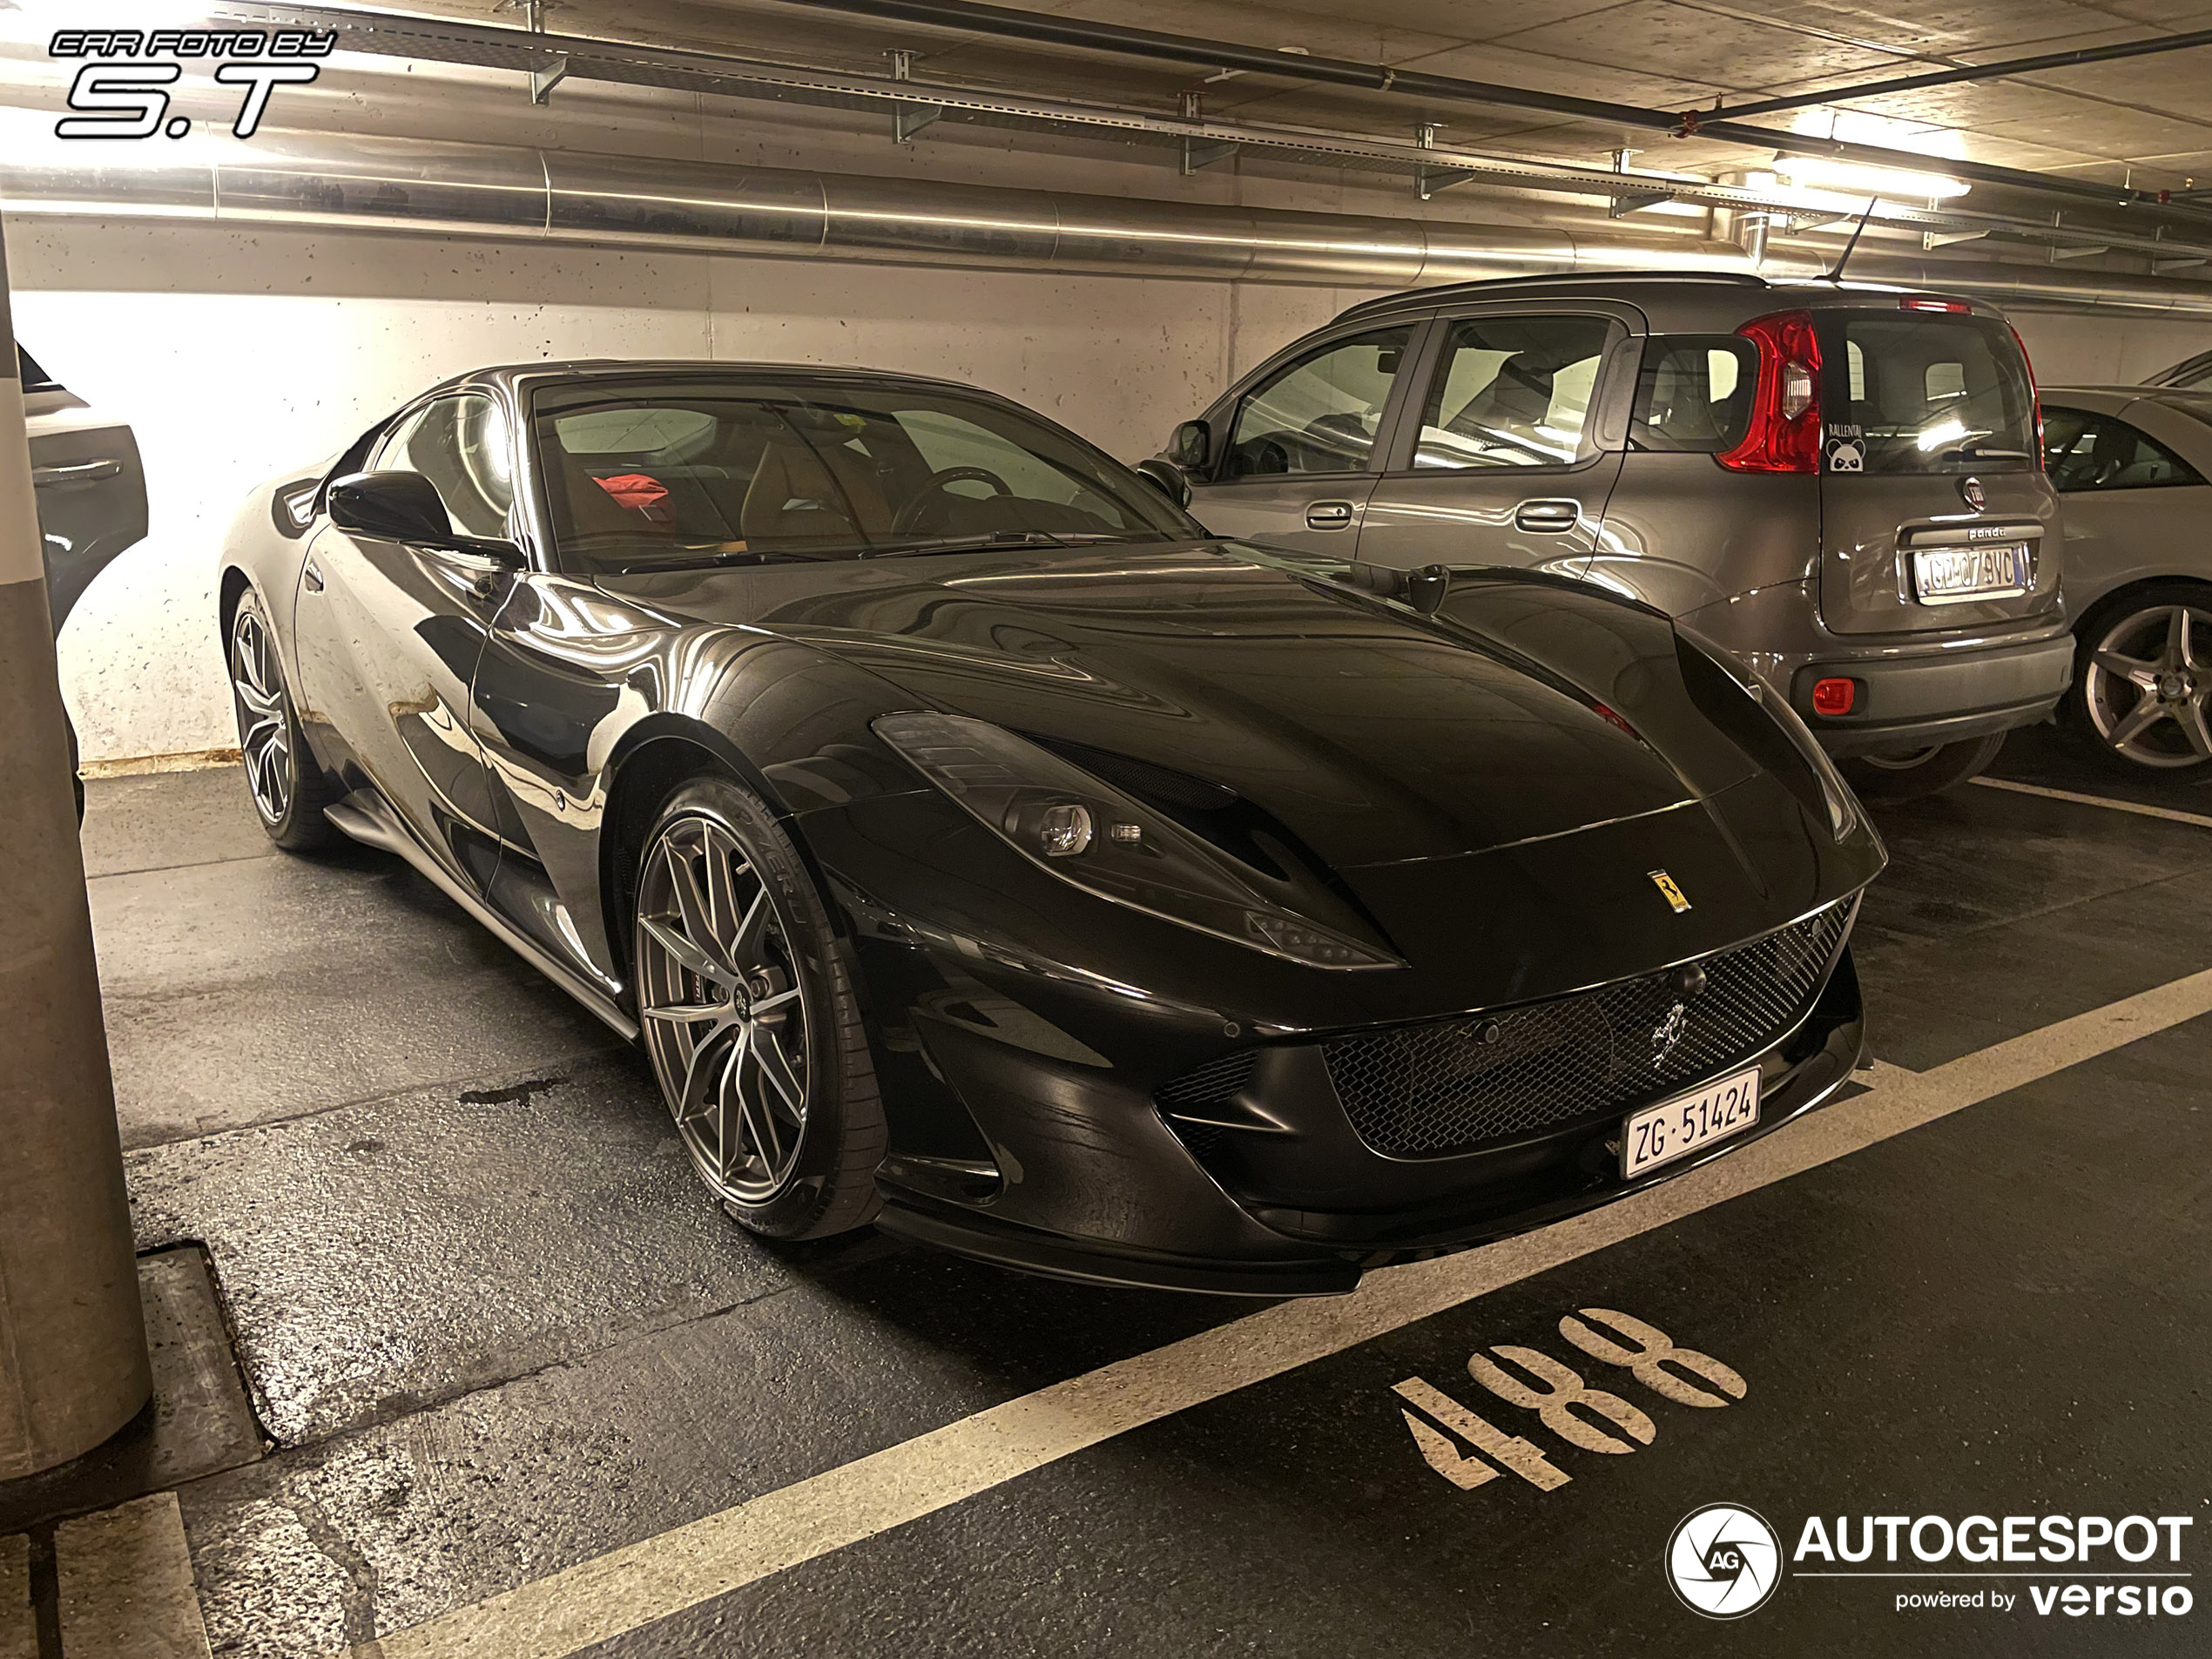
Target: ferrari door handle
column 1547, row 517
column 1329, row 515
column 312, row 576
column 83, row 472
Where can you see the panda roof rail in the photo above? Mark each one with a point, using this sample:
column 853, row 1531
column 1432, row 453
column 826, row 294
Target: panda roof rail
column 1445, row 292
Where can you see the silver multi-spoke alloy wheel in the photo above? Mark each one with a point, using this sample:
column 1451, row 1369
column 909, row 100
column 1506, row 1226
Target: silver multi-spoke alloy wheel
column 263, row 721
column 2147, row 683
column 724, row 1007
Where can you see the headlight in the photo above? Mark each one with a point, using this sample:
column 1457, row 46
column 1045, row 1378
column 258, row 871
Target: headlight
column 1096, row 837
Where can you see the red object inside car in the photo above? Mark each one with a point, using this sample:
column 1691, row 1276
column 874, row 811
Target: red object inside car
column 1834, row 696
column 634, row 488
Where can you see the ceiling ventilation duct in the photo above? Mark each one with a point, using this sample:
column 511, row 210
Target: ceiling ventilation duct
column 402, row 185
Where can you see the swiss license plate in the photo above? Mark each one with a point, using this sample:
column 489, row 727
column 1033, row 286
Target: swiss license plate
column 1674, row 1128
column 1944, row 576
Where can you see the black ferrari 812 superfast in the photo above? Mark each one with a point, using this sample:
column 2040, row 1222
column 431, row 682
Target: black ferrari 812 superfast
column 976, row 846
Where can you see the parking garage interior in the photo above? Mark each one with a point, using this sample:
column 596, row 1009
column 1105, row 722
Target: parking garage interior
column 450, row 1352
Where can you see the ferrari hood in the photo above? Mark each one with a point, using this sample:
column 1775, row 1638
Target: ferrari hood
column 1524, row 709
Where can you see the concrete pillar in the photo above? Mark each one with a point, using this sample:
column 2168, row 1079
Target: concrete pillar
column 72, row 1339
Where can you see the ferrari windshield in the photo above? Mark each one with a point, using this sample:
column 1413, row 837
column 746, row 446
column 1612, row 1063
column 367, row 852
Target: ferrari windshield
column 645, row 477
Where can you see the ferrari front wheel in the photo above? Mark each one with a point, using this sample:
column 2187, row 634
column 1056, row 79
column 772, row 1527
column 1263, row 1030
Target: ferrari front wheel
column 748, row 1013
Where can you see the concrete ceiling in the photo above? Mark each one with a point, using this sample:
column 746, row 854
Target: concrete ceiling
column 2147, row 121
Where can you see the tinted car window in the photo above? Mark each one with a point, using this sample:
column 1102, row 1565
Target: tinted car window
column 34, row 378
column 1694, row 393
column 2089, row 451
column 461, row 445
column 674, row 475
column 1322, row 412
column 1512, row 392
column 1927, row 393
column 2189, row 374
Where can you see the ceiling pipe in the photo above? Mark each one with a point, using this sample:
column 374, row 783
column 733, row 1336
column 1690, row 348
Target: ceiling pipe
column 1055, row 28
column 1746, row 228
column 544, row 57
column 383, row 183
column 359, row 183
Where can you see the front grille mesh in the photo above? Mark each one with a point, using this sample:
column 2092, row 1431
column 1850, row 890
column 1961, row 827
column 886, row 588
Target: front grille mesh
column 1432, row 1090
column 1214, row 1081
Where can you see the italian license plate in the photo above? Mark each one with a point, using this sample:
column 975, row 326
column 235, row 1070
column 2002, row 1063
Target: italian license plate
column 1944, row 576
column 1675, row 1128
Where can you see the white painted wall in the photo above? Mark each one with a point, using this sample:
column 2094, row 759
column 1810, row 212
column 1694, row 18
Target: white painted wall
column 2069, row 348
column 235, row 354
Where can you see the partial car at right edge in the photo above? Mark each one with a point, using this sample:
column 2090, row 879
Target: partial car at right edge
column 2131, row 464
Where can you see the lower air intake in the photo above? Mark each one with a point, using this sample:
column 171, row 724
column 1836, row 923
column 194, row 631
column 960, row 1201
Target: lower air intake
column 1433, row 1090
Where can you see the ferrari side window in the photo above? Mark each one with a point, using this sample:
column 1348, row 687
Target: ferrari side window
column 460, row 444
column 1322, row 412
column 487, row 465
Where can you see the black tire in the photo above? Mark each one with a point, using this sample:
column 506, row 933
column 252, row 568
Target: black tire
column 2165, row 743
column 1921, row 773
column 826, row 1184
column 282, row 776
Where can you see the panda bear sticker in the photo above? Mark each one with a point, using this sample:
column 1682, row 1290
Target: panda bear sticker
column 1846, row 455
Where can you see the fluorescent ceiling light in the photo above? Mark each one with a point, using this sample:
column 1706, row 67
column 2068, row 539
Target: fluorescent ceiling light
column 1856, row 177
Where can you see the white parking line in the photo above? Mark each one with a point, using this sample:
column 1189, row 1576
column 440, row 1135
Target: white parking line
column 126, row 1584
column 2136, row 808
column 18, row 1625
column 596, row 1600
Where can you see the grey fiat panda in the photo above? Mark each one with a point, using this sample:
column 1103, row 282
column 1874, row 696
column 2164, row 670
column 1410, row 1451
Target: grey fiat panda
column 1841, row 486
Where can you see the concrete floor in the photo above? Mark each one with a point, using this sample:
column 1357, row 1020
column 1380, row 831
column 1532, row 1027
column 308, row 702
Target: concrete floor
column 492, row 1330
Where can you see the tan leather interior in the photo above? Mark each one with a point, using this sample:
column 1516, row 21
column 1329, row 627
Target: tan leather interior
column 847, row 502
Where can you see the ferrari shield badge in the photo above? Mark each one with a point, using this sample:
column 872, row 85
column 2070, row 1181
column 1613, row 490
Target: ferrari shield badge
column 1669, row 890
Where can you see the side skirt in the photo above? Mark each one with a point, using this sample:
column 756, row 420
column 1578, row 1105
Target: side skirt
column 369, row 819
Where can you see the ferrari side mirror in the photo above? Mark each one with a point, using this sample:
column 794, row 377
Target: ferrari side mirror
column 405, row 507
column 391, row 506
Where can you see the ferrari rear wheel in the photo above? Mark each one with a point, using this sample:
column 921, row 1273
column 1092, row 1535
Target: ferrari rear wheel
column 748, row 1013
column 281, row 774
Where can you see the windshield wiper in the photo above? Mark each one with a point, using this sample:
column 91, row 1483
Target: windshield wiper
column 704, row 561
column 984, row 544
column 1970, row 450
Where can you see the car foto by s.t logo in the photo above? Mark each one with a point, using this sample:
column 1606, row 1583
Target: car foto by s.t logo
column 1723, row 1560
column 124, row 86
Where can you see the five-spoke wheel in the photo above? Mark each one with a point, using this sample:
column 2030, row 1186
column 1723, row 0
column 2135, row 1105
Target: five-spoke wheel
column 2146, row 677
